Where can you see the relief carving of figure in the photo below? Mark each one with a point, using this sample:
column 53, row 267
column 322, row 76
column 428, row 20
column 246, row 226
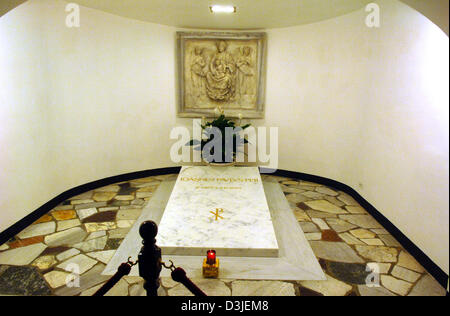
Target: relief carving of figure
column 220, row 77
column 197, row 70
column 245, row 73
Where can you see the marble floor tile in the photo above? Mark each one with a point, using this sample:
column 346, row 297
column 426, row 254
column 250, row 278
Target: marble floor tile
column 325, row 206
column 92, row 290
column 90, row 205
column 64, row 207
column 363, row 221
column 390, row 241
column 67, row 254
column 351, row 273
column 44, row 219
column 120, row 289
column 312, row 195
column 82, row 262
column 108, row 208
column 86, row 212
column 334, row 200
column 138, row 290
column 37, row 230
column 335, row 251
column 301, row 215
column 63, row 225
column 318, row 214
column 340, row 225
column 326, row 191
column 32, row 263
column 262, row 288
column 106, row 216
column 308, row 227
column 394, row 285
column 355, row 209
column 377, row 254
column 44, row 262
column 211, row 286
column 109, row 188
column 362, row 233
column 17, row 243
column 57, row 279
column 65, row 237
column 64, row 215
column 330, row 235
column 127, row 197
column 373, row 291
column 382, row 268
column 21, row 256
column 330, row 287
column 96, row 234
column 372, row 241
column 89, row 279
column 92, row 244
column 321, row 223
column 102, row 256
column 427, row 286
column 125, row 223
column 407, row 261
column 405, row 274
column 94, row 227
column 118, row 233
column 347, row 199
column 350, row 239
column 75, row 201
column 23, row 281
column 103, row 196
column 313, row 236
column 129, row 213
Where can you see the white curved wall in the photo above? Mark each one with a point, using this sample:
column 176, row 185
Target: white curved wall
column 369, row 108
column 79, row 104
column 358, row 105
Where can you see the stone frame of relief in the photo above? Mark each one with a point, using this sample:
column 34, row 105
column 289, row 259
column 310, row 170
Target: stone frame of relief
column 226, row 69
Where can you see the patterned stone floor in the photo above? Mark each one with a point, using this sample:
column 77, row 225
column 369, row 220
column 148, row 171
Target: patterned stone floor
column 82, row 234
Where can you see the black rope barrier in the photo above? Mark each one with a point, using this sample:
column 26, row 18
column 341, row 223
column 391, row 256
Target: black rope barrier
column 150, row 266
column 123, row 270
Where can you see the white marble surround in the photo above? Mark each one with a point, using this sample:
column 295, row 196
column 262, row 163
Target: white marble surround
column 243, row 226
column 296, row 260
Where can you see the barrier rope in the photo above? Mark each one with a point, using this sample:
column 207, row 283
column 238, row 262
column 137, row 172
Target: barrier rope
column 150, row 265
column 123, row 270
column 177, row 274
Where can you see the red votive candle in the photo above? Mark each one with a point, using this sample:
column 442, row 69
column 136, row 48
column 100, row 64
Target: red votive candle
column 211, row 257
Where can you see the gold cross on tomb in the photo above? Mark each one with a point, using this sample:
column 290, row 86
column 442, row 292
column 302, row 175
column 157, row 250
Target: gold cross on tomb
column 216, row 213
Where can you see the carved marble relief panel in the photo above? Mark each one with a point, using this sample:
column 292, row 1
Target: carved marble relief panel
column 221, row 69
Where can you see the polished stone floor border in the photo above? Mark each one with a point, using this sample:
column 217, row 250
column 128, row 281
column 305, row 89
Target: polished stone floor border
column 296, row 259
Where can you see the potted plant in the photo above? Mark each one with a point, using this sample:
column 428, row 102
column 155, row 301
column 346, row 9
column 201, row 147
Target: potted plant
column 209, row 132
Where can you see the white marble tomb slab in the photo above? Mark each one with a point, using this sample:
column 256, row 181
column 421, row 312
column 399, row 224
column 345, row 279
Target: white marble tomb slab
column 296, row 260
column 221, row 208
